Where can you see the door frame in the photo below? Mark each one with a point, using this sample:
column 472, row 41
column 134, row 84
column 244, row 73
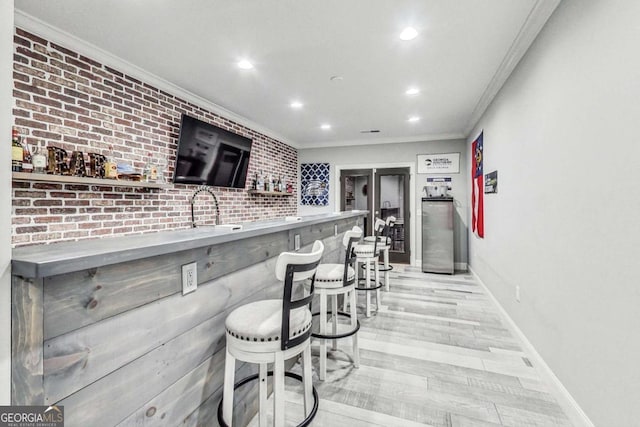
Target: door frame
column 395, row 256
column 370, row 202
column 414, row 209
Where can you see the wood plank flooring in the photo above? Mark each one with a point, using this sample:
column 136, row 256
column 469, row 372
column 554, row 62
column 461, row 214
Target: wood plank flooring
column 436, row 354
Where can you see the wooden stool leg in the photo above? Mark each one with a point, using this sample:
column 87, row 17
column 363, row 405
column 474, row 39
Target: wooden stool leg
column 377, row 270
column 386, row 269
column 323, row 331
column 278, row 390
column 307, row 379
column 354, row 323
column 227, row 392
column 263, row 394
column 368, row 284
column 334, row 310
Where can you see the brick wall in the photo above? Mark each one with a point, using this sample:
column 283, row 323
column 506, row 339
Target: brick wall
column 70, row 101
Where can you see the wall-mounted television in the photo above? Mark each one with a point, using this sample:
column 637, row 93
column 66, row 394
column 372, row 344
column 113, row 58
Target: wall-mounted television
column 210, row 155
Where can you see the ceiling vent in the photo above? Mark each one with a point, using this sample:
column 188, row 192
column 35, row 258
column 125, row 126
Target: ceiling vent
column 370, row 131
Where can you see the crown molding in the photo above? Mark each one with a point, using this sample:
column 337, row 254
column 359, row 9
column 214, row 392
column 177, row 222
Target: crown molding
column 49, row 32
column 534, row 23
column 387, row 140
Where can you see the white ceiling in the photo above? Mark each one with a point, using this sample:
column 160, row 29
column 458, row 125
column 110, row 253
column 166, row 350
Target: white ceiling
column 463, row 53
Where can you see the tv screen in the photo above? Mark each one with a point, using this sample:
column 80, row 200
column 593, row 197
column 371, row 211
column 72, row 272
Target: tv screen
column 209, row 155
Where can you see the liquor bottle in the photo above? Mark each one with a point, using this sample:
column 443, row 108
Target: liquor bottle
column 260, row 185
column 16, row 151
column 279, row 184
column 289, row 186
column 110, row 166
column 150, row 171
column 270, row 183
column 39, row 159
column 27, row 165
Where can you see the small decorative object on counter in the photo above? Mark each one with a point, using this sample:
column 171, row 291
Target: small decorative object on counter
column 39, row 159
column 16, row 151
column 27, row 164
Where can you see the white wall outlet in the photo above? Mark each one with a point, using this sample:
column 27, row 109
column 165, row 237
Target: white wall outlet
column 518, row 293
column 335, row 229
column 189, row 277
column 296, row 242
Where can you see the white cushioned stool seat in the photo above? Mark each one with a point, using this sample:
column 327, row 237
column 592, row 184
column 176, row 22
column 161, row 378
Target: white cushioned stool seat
column 329, row 275
column 262, row 321
column 365, row 250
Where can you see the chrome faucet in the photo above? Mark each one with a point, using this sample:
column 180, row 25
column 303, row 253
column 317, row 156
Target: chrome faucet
column 193, row 200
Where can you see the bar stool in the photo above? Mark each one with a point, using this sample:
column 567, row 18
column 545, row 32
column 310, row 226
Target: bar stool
column 333, row 280
column 384, row 242
column 368, row 255
column 272, row 331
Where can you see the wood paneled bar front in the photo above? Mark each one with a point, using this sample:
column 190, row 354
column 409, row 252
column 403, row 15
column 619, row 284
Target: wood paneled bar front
column 102, row 326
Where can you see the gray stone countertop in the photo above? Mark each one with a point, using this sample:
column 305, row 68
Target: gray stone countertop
column 64, row 257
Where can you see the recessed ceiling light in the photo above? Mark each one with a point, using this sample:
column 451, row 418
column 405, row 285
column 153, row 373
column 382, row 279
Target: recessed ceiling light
column 408, row 33
column 412, row 91
column 245, row 64
column 325, row 126
column 296, row 104
column 414, row 119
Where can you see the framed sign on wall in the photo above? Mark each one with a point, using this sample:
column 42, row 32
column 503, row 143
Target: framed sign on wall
column 439, row 163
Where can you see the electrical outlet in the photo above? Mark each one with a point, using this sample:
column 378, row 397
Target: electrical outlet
column 335, row 229
column 518, row 293
column 296, row 242
column 189, row 277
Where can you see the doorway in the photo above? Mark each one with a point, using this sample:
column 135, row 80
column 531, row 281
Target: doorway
column 356, row 193
column 383, row 192
column 392, row 199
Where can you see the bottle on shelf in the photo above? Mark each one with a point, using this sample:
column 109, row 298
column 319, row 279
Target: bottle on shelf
column 150, row 172
column 27, row 163
column 254, row 182
column 279, row 184
column 39, row 159
column 110, row 166
column 260, row 184
column 16, row 151
column 270, row 183
column 289, row 186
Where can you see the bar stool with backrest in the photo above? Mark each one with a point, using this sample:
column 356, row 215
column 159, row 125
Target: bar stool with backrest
column 333, row 280
column 272, row 331
column 367, row 259
column 384, row 245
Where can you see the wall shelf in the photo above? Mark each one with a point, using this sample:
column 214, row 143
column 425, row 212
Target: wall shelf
column 41, row 177
column 270, row 193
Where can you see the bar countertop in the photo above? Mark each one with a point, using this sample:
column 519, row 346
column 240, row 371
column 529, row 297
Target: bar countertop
column 64, row 257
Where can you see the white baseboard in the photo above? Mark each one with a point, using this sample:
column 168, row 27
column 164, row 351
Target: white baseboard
column 575, row 413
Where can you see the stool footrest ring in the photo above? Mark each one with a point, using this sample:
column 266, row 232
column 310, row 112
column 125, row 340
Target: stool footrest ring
column 372, row 288
column 337, row 336
column 243, row 381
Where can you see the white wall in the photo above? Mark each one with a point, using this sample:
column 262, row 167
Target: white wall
column 563, row 135
column 6, row 102
column 390, row 155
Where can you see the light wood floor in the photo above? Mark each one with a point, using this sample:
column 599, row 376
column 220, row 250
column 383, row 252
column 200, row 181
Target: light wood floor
column 436, row 354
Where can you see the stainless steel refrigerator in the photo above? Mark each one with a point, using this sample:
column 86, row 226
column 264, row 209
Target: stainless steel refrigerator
column 437, row 235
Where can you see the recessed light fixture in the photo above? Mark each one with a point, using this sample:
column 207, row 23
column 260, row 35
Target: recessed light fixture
column 408, row 33
column 245, row 64
column 325, row 126
column 296, row 105
column 412, row 91
column 413, row 119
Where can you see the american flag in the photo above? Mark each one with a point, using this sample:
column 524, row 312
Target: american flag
column 477, row 188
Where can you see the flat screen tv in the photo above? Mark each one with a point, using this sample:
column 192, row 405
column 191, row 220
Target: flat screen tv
column 209, row 155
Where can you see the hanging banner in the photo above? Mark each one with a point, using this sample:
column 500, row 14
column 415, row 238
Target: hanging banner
column 439, row 163
column 477, row 187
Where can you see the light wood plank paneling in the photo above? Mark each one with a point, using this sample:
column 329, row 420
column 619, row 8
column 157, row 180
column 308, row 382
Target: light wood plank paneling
column 26, row 343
